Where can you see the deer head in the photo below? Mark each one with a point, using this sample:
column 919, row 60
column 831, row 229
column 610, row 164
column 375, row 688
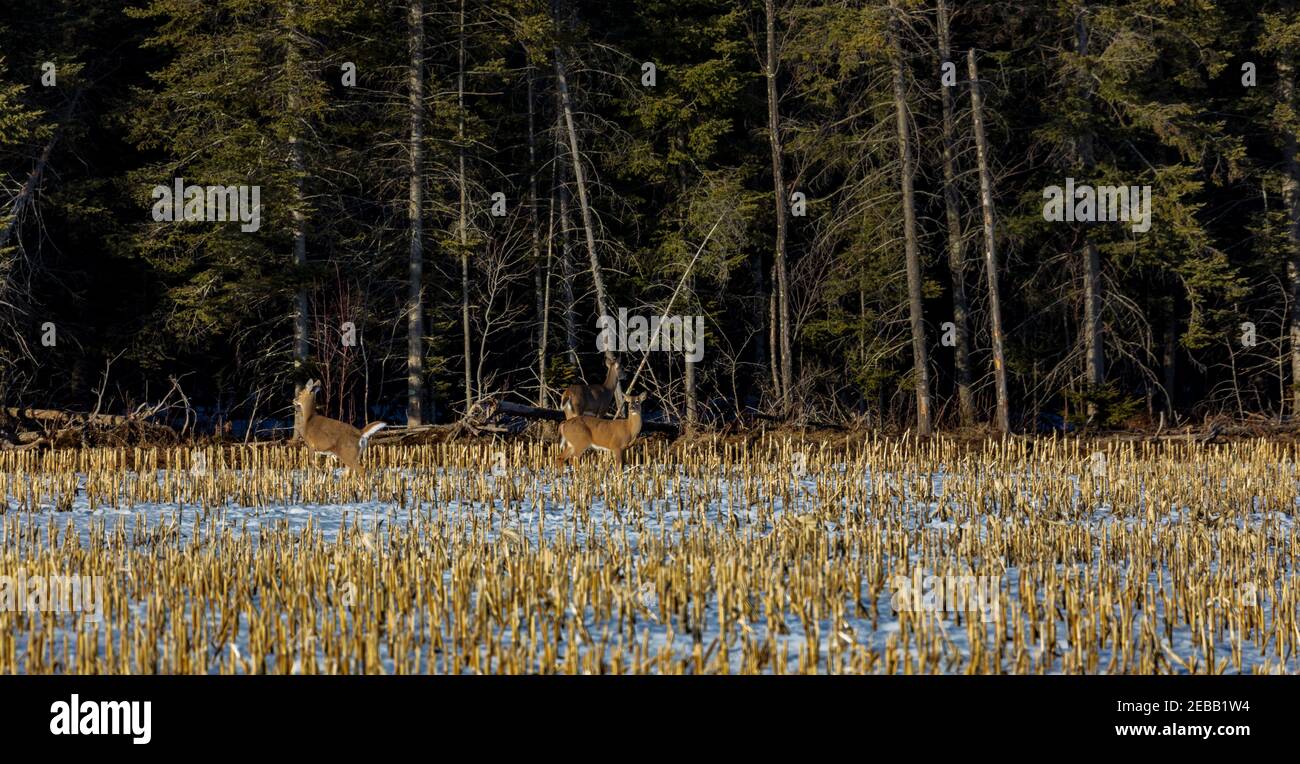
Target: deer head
column 306, row 400
column 614, row 372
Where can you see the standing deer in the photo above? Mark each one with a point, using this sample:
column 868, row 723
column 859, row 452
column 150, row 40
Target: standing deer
column 614, row 435
column 591, row 400
column 325, row 435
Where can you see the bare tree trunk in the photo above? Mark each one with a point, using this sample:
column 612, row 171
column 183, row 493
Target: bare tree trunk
column 546, row 308
column 990, row 247
column 773, row 344
column 1291, row 198
column 415, row 211
column 541, row 277
column 956, row 263
column 1092, row 317
column 561, row 190
column 688, row 379
column 1169, row 360
column 688, row 376
column 779, row 191
column 464, row 224
column 580, row 179
column 570, row 319
column 920, row 356
column 566, row 268
column 760, row 317
column 298, row 219
column 1096, row 362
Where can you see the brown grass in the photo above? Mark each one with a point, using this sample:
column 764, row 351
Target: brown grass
column 709, row 575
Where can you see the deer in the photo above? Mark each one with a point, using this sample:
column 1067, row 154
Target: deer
column 613, row 435
column 330, row 436
column 591, row 400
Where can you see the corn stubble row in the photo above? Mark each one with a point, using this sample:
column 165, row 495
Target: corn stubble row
column 707, row 557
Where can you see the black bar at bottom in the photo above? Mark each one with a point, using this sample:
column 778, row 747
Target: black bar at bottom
column 603, row 717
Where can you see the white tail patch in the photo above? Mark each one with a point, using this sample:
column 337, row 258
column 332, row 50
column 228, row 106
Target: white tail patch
column 371, row 430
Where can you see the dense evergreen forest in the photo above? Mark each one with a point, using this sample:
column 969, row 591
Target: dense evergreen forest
column 890, row 212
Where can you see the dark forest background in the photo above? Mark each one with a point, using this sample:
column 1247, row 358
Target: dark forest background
column 377, row 197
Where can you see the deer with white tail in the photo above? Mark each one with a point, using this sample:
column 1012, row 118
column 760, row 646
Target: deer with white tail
column 612, row 435
column 330, row 436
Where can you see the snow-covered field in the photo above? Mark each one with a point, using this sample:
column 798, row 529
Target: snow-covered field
column 884, row 548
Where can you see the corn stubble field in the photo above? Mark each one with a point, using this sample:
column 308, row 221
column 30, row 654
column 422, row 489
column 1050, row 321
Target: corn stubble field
column 697, row 558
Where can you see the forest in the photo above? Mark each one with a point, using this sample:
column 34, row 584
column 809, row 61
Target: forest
column 925, row 215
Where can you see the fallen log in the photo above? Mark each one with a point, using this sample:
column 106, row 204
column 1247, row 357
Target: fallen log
column 55, row 415
column 32, row 428
column 555, row 415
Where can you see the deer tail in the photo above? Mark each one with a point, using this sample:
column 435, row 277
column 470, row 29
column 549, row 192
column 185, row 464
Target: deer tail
column 369, row 430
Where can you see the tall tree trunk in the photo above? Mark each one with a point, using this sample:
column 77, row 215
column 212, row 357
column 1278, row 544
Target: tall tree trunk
column 1169, row 360
column 546, row 304
column 990, row 246
column 566, row 269
column 1096, row 363
column 688, row 376
column 760, row 317
column 570, row 317
column 415, row 211
column 580, row 180
column 770, row 68
column 773, row 344
column 920, row 356
column 1092, row 318
column 1291, row 198
column 688, row 380
column 541, row 275
column 688, row 299
column 956, row 263
column 298, row 215
column 464, row 223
